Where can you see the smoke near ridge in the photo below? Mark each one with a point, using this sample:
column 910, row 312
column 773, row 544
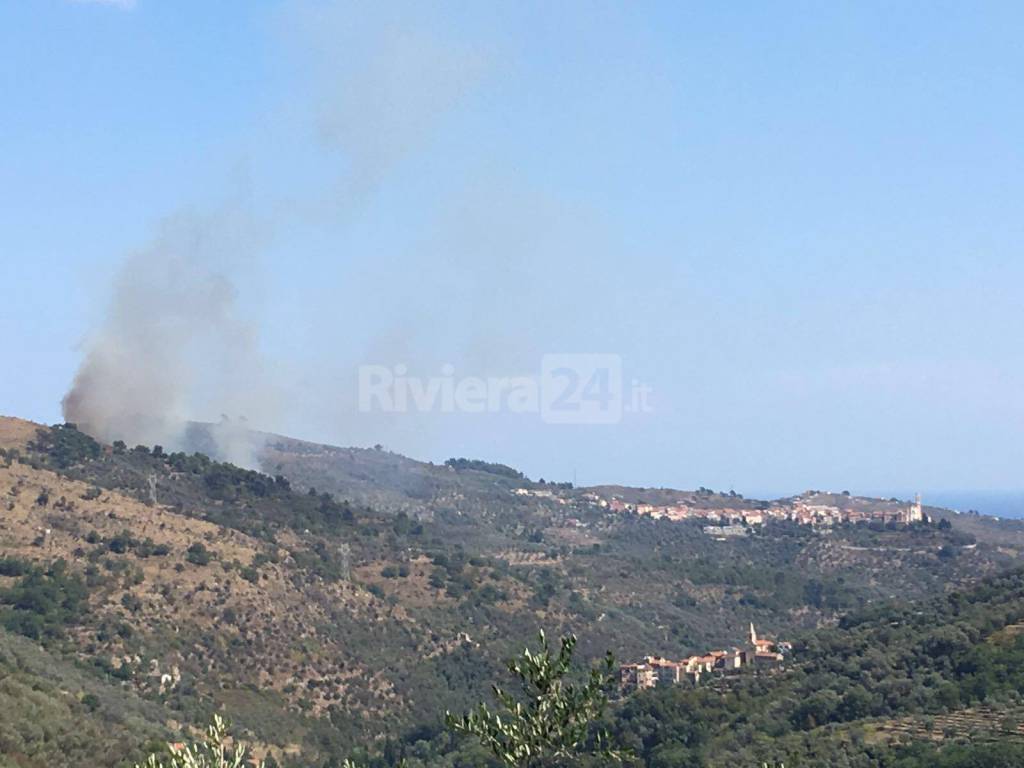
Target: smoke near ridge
column 172, row 346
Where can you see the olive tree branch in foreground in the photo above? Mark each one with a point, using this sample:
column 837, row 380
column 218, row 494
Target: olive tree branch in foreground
column 554, row 724
column 211, row 752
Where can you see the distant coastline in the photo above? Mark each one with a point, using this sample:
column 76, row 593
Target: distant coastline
column 1006, row 504
column 1009, row 504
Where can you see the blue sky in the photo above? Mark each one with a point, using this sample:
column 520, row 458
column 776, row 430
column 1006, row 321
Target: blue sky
column 798, row 223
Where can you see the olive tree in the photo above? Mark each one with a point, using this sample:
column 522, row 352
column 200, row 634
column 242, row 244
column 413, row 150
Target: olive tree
column 552, row 722
column 212, row 752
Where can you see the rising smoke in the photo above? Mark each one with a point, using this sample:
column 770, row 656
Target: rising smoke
column 172, row 346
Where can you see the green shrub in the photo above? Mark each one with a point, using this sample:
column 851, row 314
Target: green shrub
column 198, row 554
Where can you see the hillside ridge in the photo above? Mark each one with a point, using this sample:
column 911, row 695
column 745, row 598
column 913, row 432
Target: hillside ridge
column 322, row 620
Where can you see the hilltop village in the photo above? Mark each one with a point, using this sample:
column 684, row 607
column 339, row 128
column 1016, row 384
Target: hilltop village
column 653, row 671
column 798, row 511
column 733, row 514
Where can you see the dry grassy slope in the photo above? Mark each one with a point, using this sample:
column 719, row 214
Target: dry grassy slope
column 15, row 433
column 358, row 646
column 281, row 625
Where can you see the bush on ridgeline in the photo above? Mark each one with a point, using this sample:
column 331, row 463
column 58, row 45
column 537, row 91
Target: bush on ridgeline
column 64, row 446
column 485, row 466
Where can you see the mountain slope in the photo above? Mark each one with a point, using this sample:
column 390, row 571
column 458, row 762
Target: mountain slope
column 320, row 622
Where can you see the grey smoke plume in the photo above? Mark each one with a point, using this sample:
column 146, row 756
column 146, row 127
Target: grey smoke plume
column 173, row 347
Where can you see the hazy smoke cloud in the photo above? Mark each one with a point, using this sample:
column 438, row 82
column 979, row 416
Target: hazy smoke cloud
column 382, row 109
column 172, row 346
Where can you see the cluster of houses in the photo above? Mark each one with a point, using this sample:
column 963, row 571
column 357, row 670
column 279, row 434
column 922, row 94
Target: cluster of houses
column 541, row 493
column 798, row 511
column 724, row 522
column 820, row 514
column 655, row 671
